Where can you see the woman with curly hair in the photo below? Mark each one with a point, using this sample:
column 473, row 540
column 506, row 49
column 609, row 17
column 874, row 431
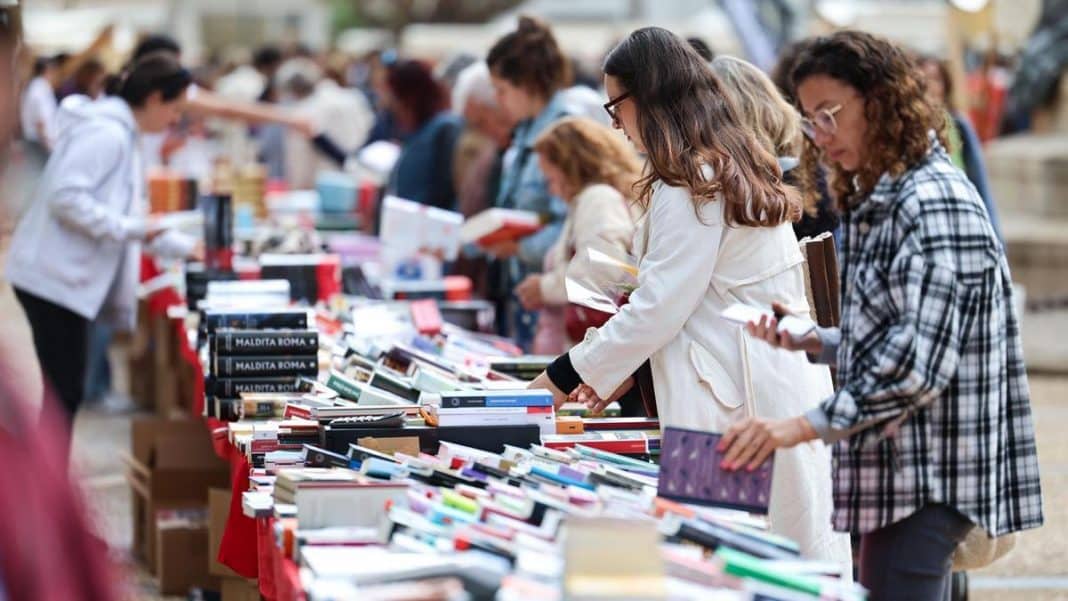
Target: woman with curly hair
column 593, row 169
column 932, row 420
column 716, row 231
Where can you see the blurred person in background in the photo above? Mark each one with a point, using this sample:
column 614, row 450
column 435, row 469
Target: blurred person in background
column 701, row 47
column 474, row 98
column 428, row 130
column 75, row 255
column 931, row 423
column 39, row 104
column 342, row 113
column 47, row 550
column 88, row 80
column 777, row 126
column 157, row 147
column 477, row 166
column 965, row 149
column 593, row 169
column 528, row 72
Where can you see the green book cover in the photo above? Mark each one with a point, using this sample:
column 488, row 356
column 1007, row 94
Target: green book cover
column 343, row 386
column 743, row 565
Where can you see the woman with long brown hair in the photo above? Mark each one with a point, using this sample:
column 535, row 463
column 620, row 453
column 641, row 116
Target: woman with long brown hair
column 716, row 232
column 593, row 169
column 932, row 418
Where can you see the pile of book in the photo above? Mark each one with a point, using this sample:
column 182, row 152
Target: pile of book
column 526, row 523
column 256, row 353
column 489, row 407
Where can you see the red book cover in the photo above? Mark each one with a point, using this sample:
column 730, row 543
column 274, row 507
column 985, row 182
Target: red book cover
column 499, row 225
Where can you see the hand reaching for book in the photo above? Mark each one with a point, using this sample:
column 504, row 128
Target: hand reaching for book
column 543, row 382
column 588, row 396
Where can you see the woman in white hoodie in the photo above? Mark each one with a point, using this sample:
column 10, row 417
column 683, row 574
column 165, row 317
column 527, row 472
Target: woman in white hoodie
column 716, row 232
column 74, row 256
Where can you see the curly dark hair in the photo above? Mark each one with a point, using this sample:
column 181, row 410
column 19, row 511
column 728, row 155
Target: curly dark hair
column 895, row 107
column 530, row 58
column 687, row 121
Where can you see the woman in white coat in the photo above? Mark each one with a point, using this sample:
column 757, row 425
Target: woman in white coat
column 75, row 254
column 717, row 232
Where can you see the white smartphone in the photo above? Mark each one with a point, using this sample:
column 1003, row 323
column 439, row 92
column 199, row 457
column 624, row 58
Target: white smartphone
column 741, row 314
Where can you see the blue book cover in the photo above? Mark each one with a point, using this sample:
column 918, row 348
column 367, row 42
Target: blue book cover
column 496, row 398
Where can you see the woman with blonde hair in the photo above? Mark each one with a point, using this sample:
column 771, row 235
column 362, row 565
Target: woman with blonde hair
column 716, row 232
column 593, row 169
column 776, row 125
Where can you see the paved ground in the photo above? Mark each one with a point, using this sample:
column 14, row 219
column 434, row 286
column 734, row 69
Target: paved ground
column 1036, row 570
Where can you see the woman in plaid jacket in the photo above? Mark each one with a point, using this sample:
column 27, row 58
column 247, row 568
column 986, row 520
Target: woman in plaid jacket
column 932, row 419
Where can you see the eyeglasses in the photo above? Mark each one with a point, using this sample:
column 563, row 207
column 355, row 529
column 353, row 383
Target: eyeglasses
column 612, row 106
column 823, row 121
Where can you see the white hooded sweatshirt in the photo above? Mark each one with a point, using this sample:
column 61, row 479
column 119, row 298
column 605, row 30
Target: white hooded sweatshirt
column 78, row 245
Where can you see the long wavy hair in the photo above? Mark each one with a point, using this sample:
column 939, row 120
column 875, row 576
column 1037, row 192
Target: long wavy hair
column 896, row 110
column 687, row 121
column 588, row 153
column 774, row 121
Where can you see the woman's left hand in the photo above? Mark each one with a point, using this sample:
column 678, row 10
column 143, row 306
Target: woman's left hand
column 529, row 293
column 751, row 441
column 544, row 383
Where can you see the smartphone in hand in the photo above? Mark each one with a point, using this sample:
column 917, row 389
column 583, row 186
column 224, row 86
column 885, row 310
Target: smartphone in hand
column 742, row 314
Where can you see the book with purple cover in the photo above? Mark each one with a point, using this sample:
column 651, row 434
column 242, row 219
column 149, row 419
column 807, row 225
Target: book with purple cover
column 690, row 472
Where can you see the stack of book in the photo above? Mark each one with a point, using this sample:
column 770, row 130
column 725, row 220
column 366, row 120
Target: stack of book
column 248, row 359
column 496, row 408
column 326, row 497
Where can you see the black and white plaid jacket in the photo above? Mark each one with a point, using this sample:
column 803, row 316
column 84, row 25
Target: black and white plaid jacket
column 934, row 404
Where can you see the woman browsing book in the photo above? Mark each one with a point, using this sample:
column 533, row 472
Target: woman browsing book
column 716, row 232
column 593, row 170
column 74, row 256
column 530, row 75
column 931, row 423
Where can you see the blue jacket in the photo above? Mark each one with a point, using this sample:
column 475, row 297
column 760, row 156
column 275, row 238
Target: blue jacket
column 423, row 172
column 523, row 185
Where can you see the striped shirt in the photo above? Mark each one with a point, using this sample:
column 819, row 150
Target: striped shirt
column 933, row 405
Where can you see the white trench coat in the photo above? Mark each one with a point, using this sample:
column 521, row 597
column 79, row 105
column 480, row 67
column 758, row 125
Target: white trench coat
column 707, row 372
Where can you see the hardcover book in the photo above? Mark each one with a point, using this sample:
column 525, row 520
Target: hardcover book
column 266, row 366
column 690, row 472
column 229, row 341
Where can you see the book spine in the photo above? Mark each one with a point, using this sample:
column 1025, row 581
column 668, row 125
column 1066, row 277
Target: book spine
column 293, row 320
column 266, row 366
column 456, row 401
column 622, row 447
column 533, row 410
column 233, row 387
column 253, row 342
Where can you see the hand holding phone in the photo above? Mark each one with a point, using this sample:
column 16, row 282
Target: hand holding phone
column 778, row 327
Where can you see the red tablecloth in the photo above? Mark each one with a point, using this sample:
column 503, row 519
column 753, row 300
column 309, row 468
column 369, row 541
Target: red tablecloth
column 238, row 547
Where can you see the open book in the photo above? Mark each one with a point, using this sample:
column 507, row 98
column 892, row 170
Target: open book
column 499, row 225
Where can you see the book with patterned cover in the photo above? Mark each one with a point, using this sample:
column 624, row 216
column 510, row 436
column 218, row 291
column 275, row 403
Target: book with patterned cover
column 690, row 472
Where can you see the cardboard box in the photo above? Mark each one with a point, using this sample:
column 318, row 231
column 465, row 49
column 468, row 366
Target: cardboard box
column 171, row 464
column 164, row 355
column 239, row 589
column 218, row 512
column 140, row 363
column 182, row 554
